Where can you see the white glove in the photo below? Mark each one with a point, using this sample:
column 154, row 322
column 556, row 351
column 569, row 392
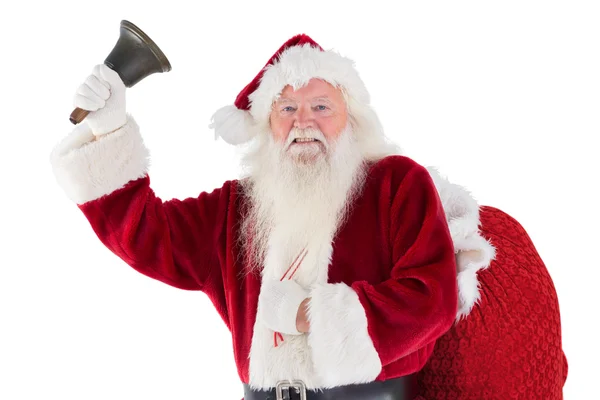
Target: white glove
column 278, row 305
column 102, row 93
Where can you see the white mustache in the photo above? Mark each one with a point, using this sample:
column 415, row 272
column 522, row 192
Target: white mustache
column 312, row 133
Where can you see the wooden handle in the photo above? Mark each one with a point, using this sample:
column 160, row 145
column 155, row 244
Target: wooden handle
column 78, row 115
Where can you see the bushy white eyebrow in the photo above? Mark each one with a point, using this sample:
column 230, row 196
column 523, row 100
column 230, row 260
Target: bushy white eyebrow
column 322, row 98
column 292, row 100
column 285, row 100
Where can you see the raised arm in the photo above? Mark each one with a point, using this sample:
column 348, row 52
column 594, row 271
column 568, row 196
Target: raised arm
column 102, row 166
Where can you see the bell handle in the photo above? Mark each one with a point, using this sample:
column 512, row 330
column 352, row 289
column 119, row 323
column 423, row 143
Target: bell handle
column 78, row 115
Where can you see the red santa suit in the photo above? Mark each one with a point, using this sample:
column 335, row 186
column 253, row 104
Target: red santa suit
column 397, row 275
column 386, row 287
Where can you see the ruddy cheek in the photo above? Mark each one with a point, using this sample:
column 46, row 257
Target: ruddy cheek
column 329, row 129
column 280, row 128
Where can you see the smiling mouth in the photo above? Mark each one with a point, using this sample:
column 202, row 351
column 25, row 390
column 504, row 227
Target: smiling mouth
column 305, row 140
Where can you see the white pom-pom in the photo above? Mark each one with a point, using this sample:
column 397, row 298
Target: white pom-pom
column 232, row 124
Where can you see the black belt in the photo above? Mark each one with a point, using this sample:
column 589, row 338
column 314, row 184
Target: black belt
column 403, row 388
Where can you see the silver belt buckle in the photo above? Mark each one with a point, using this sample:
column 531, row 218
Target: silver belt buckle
column 287, row 387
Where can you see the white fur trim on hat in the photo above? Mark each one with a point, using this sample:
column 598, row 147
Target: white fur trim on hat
column 295, row 67
column 232, row 124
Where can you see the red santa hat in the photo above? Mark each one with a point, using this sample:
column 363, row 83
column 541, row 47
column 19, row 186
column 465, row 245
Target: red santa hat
column 296, row 62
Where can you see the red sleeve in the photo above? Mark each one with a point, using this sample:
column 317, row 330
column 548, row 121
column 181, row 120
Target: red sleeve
column 174, row 242
column 419, row 301
column 356, row 330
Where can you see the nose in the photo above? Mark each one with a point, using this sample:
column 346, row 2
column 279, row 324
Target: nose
column 304, row 118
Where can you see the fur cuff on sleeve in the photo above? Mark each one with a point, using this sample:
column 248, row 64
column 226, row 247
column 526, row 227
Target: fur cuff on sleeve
column 342, row 350
column 87, row 170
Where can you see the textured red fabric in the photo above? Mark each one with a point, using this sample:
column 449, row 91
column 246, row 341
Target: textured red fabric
column 510, row 346
column 417, row 301
column 394, row 250
column 242, row 101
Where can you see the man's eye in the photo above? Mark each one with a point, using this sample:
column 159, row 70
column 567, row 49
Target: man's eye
column 287, row 109
column 321, row 107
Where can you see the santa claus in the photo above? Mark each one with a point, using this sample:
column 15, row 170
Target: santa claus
column 336, row 263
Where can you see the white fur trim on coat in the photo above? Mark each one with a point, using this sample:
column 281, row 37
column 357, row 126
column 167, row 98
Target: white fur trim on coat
column 292, row 358
column 342, row 350
column 473, row 251
column 87, row 169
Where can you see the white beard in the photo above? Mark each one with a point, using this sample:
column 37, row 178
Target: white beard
column 295, row 205
column 301, row 203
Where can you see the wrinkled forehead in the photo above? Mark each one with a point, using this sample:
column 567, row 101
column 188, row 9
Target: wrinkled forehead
column 313, row 90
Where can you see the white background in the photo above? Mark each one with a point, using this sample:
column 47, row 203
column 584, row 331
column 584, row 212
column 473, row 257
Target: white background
column 503, row 97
